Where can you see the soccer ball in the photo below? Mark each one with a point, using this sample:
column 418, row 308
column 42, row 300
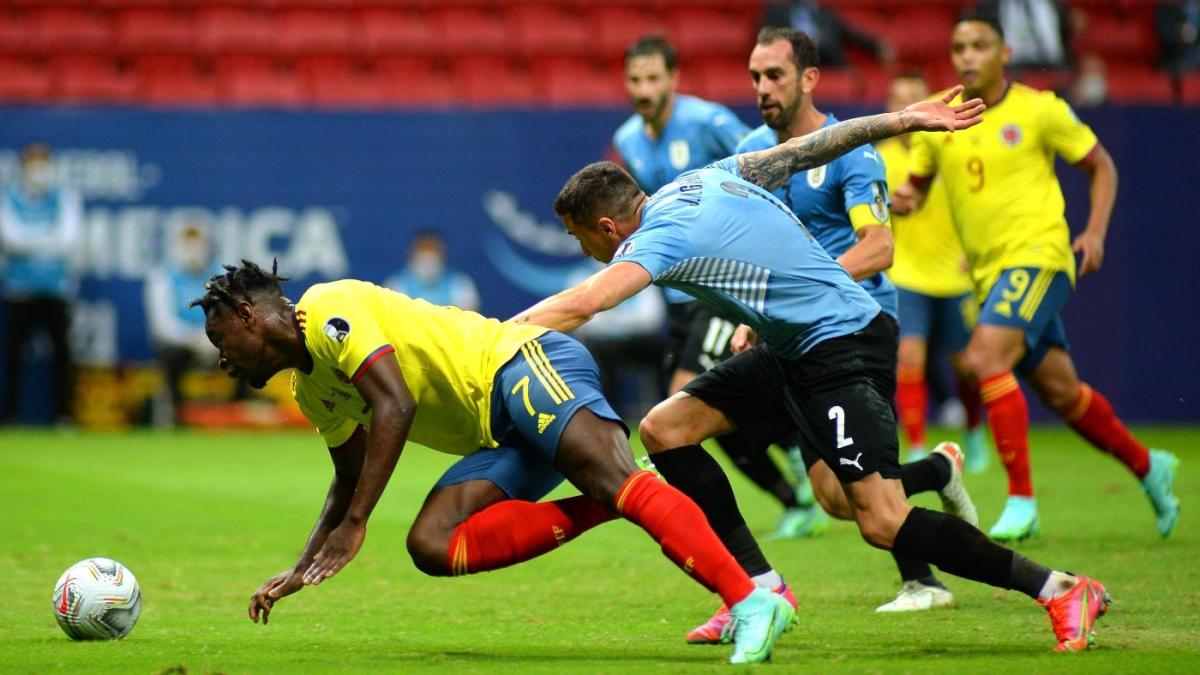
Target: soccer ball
column 97, row 599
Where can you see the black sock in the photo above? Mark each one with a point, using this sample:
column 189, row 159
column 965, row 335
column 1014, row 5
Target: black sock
column 957, row 548
column 912, row 569
column 752, row 458
column 696, row 474
column 1028, row 576
column 929, row 474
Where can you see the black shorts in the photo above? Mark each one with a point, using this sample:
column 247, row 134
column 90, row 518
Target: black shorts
column 838, row 397
column 699, row 339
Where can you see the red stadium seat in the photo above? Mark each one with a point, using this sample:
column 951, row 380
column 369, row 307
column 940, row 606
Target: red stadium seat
column 470, row 30
column 712, row 32
column 354, row 89
column 726, row 80
column 387, row 31
column 22, row 81
column 226, row 64
column 15, row 35
column 81, row 80
column 154, row 30
column 264, row 89
column 579, row 82
column 1045, row 79
column 420, row 88
column 1116, row 36
column 182, row 88
column 549, row 30
column 1139, row 84
column 54, row 29
column 485, row 81
column 838, row 85
column 920, row 32
column 234, row 30
column 309, row 31
column 618, row 27
column 1190, row 89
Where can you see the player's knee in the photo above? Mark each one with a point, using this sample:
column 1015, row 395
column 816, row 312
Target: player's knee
column 878, row 531
column 1058, row 396
column 429, row 550
column 655, row 434
column 833, row 501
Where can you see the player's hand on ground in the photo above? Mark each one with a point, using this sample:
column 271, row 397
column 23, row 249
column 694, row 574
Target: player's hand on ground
column 1092, row 247
column 904, row 200
column 743, row 338
column 340, row 547
column 939, row 115
column 281, row 585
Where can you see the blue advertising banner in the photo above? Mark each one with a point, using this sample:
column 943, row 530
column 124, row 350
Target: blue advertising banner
column 341, row 194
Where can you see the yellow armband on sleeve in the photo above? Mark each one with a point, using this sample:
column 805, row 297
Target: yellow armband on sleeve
column 863, row 215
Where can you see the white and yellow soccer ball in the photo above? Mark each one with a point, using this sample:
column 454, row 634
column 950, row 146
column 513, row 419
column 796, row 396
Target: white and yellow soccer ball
column 97, row 599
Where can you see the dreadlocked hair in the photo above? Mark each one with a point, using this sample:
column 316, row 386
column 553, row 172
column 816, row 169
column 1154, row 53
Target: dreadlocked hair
column 238, row 284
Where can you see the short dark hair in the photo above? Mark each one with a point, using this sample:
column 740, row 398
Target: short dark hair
column 247, row 282
column 649, row 45
column 990, row 17
column 598, row 189
column 804, row 51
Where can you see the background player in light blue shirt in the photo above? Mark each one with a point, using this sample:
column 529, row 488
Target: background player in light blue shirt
column 843, row 203
column 828, row 363
column 668, row 134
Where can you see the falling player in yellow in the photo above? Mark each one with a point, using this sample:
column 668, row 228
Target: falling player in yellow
column 373, row 368
column 934, row 289
column 1008, row 208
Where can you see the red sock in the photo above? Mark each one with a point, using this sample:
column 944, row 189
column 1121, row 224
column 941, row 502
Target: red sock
column 1092, row 417
column 681, row 529
column 968, row 393
column 514, row 531
column 1008, row 415
column 912, row 404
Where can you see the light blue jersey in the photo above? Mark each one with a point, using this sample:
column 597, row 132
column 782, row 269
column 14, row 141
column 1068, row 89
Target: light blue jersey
column 823, row 196
column 737, row 248
column 698, row 133
column 38, row 238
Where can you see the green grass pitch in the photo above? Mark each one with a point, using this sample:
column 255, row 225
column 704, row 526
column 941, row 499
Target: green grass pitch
column 203, row 519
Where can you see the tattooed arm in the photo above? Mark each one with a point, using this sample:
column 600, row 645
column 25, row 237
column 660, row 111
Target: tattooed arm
column 771, row 168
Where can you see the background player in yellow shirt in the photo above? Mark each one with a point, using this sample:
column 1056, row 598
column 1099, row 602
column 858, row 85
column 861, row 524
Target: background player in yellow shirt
column 373, row 368
column 934, row 288
column 1009, row 211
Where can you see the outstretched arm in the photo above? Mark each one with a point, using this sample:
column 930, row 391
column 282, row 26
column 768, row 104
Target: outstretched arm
column 771, row 168
column 347, row 465
column 573, row 307
column 393, row 410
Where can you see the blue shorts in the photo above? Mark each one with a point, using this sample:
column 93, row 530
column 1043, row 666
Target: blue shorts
column 534, row 396
column 945, row 320
column 1030, row 298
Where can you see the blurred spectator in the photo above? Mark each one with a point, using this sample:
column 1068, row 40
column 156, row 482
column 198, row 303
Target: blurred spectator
column 40, row 233
column 427, row 277
column 1037, row 30
column 1179, row 34
column 1090, row 87
column 176, row 330
column 827, row 29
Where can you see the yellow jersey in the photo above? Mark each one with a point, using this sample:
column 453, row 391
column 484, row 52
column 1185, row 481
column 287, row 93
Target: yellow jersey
column 928, row 256
column 1004, row 196
column 448, row 357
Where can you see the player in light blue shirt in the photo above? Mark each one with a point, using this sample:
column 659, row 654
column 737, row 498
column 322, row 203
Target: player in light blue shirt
column 668, row 134
column 843, row 203
column 827, row 364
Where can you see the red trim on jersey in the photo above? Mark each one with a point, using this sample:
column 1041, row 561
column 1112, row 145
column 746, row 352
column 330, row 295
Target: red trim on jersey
column 1089, row 157
column 372, row 358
